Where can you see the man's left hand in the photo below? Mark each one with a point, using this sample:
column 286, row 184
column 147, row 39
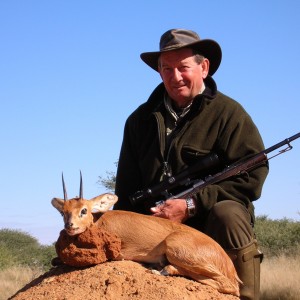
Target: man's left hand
column 174, row 210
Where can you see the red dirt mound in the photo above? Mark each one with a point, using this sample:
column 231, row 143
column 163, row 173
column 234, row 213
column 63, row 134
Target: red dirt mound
column 93, row 246
column 116, row 280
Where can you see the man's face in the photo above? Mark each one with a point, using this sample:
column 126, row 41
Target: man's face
column 182, row 75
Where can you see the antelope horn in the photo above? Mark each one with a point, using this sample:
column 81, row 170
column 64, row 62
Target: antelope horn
column 64, row 187
column 80, row 189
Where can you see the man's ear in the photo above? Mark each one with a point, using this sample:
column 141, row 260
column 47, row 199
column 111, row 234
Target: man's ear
column 103, row 203
column 58, row 204
column 205, row 67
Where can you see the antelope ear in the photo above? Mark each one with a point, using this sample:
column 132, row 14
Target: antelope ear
column 103, row 203
column 58, row 204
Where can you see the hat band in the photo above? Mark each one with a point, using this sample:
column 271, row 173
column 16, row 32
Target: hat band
column 173, row 47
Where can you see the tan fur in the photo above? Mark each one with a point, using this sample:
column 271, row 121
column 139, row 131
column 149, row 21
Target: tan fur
column 179, row 249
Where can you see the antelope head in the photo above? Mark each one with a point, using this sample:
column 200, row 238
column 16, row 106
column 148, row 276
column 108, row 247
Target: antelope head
column 78, row 213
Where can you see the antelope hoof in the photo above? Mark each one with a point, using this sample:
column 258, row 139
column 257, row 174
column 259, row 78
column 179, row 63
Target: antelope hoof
column 169, row 270
column 56, row 261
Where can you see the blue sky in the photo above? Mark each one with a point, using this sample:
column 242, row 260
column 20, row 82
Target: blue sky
column 70, row 75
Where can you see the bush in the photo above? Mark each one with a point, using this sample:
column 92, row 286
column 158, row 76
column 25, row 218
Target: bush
column 278, row 236
column 6, row 257
column 19, row 248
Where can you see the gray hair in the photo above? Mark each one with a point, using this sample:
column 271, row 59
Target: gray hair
column 197, row 57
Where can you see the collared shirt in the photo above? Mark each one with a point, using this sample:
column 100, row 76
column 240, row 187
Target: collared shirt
column 174, row 116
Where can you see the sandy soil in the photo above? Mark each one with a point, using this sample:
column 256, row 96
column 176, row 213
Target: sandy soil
column 115, row 280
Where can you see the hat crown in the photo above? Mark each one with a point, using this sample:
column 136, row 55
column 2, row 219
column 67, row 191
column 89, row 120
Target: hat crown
column 177, row 38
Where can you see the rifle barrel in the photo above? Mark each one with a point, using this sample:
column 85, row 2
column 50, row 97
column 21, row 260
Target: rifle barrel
column 235, row 169
column 284, row 142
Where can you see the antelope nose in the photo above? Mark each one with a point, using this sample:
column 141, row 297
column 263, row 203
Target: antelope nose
column 68, row 225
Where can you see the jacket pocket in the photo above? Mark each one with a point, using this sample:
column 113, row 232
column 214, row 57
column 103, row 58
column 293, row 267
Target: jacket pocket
column 201, row 162
column 191, row 155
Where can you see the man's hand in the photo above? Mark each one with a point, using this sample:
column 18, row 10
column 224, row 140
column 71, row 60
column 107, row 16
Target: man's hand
column 174, row 210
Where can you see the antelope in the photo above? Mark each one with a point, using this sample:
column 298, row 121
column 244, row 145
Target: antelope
column 177, row 248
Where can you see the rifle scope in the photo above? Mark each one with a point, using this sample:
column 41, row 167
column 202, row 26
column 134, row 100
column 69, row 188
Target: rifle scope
column 203, row 166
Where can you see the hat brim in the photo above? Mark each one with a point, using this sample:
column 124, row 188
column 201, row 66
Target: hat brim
column 208, row 48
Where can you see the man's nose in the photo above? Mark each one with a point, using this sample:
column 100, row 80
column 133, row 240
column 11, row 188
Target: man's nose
column 177, row 75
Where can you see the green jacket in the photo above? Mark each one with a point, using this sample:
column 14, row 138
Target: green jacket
column 215, row 123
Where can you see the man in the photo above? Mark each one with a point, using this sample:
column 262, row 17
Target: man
column 185, row 119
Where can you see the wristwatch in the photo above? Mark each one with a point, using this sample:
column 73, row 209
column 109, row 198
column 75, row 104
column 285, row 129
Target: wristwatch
column 190, row 207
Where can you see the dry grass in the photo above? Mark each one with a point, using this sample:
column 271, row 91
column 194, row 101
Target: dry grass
column 280, row 277
column 14, row 278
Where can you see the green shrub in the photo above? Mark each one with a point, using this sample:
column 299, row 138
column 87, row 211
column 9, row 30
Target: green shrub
column 19, row 248
column 6, row 257
column 278, row 236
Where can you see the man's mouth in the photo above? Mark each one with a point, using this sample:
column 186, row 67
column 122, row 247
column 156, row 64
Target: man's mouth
column 179, row 86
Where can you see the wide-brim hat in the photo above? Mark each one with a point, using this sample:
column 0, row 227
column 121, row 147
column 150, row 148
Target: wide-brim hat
column 175, row 39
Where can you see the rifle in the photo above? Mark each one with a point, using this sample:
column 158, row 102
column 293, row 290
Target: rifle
column 210, row 161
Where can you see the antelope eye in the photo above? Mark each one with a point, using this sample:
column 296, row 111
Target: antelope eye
column 84, row 211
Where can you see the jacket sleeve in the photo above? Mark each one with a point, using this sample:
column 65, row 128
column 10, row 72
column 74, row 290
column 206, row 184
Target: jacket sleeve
column 238, row 140
column 128, row 175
